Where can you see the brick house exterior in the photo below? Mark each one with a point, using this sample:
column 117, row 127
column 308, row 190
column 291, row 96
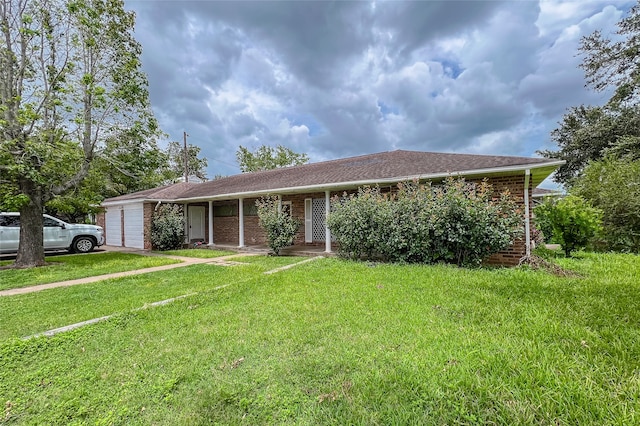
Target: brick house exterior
column 223, row 211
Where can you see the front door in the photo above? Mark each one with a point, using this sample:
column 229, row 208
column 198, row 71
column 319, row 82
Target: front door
column 196, row 223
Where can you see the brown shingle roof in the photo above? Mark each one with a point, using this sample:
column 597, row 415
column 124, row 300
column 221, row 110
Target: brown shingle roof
column 169, row 192
column 385, row 166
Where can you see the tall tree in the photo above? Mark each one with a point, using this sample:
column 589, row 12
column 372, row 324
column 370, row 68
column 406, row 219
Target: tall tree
column 613, row 185
column 196, row 166
column 70, row 77
column 123, row 165
column 589, row 133
column 614, row 63
column 267, row 158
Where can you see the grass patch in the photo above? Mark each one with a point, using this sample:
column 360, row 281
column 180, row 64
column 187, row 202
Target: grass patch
column 31, row 313
column 74, row 266
column 337, row 342
column 274, row 261
column 199, row 253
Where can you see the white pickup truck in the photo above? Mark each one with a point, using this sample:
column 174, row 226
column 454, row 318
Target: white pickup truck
column 58, row 235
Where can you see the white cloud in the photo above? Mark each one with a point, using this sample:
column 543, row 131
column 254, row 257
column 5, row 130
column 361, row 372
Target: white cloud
column 348, row 78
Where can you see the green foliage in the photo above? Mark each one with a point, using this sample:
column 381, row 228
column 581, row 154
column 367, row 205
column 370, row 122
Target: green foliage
column 613, row 186
column 71, row 78
column 267, row 158
column 591, row 133
column 571, row 221
column 196, row 166
column 167, row 227
column 358, row 222
column 278, row 224
column 127, row 163
column 612, row 62
column 457, row 222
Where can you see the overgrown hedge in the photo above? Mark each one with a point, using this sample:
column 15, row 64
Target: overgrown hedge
column 167, row 227
column 456, row 222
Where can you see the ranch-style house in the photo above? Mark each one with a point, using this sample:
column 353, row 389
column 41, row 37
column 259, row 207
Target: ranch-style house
column 223, row 211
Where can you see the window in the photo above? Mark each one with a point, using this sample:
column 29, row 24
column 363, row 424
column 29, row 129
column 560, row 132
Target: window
column 287, row 208
column 250, row 208
column 10, row 220
column 49, row 222
column 225, row 210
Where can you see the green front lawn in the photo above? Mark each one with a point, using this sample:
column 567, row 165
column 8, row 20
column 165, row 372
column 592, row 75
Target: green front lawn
column 333, row 342
column 74, row 266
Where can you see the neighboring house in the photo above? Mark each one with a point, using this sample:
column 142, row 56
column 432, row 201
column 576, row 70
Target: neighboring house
column 541, row 194
column 223, row 211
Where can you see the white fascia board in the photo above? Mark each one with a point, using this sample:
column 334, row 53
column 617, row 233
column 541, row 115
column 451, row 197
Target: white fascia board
column 341, row 185
column 133, row 201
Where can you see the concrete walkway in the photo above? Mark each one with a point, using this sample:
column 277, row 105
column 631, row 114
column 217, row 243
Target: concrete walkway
column 185, row 261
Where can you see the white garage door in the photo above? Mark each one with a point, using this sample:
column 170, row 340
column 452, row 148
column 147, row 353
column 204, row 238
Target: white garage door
column 134, row 226
column 113, row 226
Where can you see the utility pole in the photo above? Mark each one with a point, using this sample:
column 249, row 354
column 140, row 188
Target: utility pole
column 186, row 158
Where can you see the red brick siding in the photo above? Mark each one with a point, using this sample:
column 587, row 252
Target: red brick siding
column 253, row 233
column 515, row 185
column 101, row 220
column 225, row 230
column 147, row 209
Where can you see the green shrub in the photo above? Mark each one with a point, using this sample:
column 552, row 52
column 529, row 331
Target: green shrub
column 279, row 225
column 613, row 185
column 358, row 222
column 457, row 222
column 572, row 221
column 470, row 224
column 541, row 221
column 167, row 227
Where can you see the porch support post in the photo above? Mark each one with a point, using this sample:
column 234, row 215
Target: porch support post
column 327, row 232
column 241, row 222
column 527, row 219
column 210, row 223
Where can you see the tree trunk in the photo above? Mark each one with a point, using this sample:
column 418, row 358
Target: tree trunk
column 31, row 247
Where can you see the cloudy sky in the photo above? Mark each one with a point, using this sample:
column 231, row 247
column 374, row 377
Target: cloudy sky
column 337, row 79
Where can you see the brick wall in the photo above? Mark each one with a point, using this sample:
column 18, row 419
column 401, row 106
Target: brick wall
column 101, row 220
column 147, row 212
column 225, row 230
column 515, row 185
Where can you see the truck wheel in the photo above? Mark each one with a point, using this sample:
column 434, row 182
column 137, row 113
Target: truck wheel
column 83, row 245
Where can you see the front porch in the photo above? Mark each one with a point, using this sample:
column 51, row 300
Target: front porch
column 234, row 223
